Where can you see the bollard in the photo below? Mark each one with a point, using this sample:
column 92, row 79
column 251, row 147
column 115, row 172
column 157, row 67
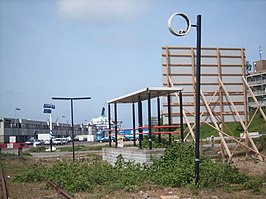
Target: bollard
column 20, row 152
column 212, row 141
column 21, row 145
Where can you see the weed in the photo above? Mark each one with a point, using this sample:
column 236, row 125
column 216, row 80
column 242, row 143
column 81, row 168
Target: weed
column 175, row 168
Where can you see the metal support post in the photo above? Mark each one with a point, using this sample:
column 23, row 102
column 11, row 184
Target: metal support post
column 72, row 129
column 159, row 118
column 149, row 119
column 181, row 117
column 197, row 152
column 134, row 124
column 115, row 106
column 169, row 114
column 109, row 124
column 72, row 116
column 140, row 122
column 51, row 133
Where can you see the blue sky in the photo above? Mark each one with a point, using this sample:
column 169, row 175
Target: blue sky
column 105, row 48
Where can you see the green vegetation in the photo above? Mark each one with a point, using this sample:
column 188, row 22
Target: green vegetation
column 258, row 125
column 37, row 149
column 67, row 148
column 261, row 142
column 83, row 148
column 3, row 155
column 174, row 169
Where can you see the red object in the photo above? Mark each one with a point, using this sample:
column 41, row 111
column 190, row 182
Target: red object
column 3, row 146
column 20, row 145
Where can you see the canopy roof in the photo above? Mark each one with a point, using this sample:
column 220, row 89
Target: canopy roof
column 154, row 92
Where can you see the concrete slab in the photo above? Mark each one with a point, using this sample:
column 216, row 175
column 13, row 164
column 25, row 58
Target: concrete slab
column 133, row 154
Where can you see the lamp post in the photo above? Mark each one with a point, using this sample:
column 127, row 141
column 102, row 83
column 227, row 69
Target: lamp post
column 16, row 109
column 183, row 32
column 17, row 121
column 71, row 99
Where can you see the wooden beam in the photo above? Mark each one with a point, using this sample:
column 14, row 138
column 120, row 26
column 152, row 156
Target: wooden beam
column 241, row 122
column 184, row 114
column 223, row 142
column 255, row 99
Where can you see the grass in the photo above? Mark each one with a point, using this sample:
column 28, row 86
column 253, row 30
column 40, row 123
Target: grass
column 174, row 169
column 83, row 148
column 258, row 125
column 40, row 149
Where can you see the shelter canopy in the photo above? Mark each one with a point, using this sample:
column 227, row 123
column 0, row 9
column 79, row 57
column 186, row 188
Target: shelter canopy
column 143, row 93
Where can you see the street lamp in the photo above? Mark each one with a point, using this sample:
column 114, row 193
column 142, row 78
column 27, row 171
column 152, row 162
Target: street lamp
column 72, row 116
column 183, row 32
column 17, row 121
column 16, row 109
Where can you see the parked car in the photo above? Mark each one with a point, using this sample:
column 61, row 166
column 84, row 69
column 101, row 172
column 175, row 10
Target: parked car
column 64, row 140
column 46, row 142
column 130, row 137
column 82, row 139
column 39, row 142
column 30, row 141
column 106, row 139
column 69, row 139
column 58, row 141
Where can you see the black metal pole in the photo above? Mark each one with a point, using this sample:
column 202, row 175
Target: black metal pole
column 159, row 118
column 169, row 114
column 72, row 115
column 149, row 119
column 134, row 124
column 181, row 117
column 72, row 128
column 197, row 155
column 115, row 105
column 140, row 121
column 109, row 124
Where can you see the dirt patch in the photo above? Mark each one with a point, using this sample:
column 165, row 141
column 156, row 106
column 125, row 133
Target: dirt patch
column 250, row 165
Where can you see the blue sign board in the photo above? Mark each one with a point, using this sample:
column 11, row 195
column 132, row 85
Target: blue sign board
column 47, row 110
column 49, row 106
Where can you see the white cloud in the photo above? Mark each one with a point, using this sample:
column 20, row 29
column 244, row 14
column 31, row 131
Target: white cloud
column 102, row 11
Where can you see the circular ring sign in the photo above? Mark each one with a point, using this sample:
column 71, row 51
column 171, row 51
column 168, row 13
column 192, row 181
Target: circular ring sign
column 181, row 32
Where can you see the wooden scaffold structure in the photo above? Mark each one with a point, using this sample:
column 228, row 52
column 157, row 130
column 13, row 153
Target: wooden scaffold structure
column 224, row 91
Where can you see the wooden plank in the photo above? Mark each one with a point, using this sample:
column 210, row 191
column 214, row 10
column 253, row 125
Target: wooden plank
column 212, row 103
column 185, row 116
column 204, row 48
column 254, row 98
column 241, row 122
column 216, row 125
column 204, row 75
column 236, row 140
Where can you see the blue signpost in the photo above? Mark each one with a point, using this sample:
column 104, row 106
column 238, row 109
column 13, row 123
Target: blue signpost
column 47, row 108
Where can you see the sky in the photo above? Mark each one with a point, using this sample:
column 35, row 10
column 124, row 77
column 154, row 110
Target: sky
column 105, row 49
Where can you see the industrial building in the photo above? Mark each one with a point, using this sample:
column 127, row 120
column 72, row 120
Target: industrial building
column 257, row 83
column 26, row 129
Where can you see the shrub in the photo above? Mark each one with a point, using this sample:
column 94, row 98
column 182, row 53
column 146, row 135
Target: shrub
column 175, row 168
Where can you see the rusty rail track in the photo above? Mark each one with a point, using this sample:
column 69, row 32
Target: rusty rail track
column 3, row 183
column 58, row 189
column 4, row 193
column 62, row 192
